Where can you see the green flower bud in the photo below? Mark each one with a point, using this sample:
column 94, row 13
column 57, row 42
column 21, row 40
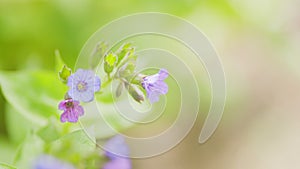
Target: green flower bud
column 135, row 93
column 109, row 62
column 64, row 74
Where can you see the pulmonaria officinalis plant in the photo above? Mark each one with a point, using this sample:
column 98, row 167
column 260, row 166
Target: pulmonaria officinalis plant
column 119, row 66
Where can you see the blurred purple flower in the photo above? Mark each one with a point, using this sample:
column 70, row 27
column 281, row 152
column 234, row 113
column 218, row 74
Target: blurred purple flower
column 83, row 84
column 117, row 151
column 155, row 85
column 72, row 110
column 49, row 162
column 120, row 163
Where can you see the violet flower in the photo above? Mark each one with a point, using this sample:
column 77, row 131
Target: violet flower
column 155, row 85
column 83, row 84
column 72, row 110
column 49, row 162
column 117, row 151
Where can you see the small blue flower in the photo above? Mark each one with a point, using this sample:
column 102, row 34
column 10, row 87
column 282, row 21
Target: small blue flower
column 117, row 151
column 83, row 84
column 49, row 162
column 155, row 85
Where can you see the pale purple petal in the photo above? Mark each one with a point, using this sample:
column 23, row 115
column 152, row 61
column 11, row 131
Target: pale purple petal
column 117, row 151
column 49, row 162
column 120, row 163
column 97, row 83
column 163, row 73
column 87, row 96
column 153, row 96
column 160, row 87
column 70, row 80
column 116, row 147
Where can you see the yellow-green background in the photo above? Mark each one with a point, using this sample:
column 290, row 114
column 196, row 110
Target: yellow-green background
column 257, row 41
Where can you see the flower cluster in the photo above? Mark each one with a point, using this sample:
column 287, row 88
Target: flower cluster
column 82, row 86
column 118, row 66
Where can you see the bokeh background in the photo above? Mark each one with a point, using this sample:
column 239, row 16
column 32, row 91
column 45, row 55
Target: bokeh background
column 257, row 41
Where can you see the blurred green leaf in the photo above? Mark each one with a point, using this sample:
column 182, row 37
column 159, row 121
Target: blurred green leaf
column 8, row 150
column 73, row 147
column 50, row 132
column 6, row 166
column 33, row 94
column 16, row 133
column 29, row 151
column 98, row 53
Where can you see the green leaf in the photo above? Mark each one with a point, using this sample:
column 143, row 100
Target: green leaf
column 17, row 133
column 64, row 74
column 8, row 150
column 34, row 94
column 73, row 147
column 50, row 132
column 109, row 62
column 6, row 166
column 31, row 148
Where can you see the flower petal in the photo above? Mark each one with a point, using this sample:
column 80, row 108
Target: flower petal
column 120, row 163
column 49, row 162
column 87, row 96
column 62, row 105
column 79, row 110
column 161, row 87
column 97, row 83
column 64, row 117
column 153, row 96
column 72, row 116
column 116, row 147
column 163, row 73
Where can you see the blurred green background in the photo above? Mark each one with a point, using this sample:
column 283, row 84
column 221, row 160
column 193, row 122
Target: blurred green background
column 257, row 41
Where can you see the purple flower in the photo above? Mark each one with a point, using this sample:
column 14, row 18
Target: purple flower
column 49, row 162
column 117, row 151
column 116, row 147
column 83, row 84
column 155, row 85
column 72, row 110
column 120, row 163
